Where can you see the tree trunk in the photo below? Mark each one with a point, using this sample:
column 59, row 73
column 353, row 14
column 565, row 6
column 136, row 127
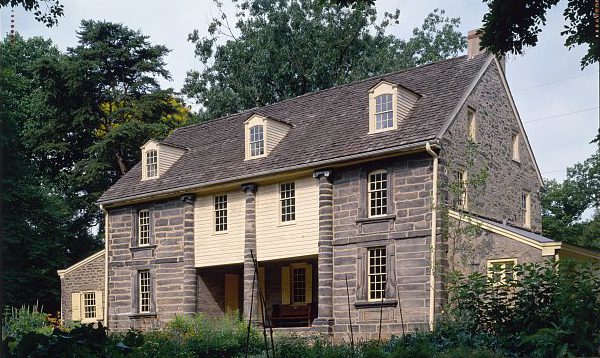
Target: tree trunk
column 121, row 162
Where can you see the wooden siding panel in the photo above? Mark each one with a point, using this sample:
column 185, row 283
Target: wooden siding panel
column 275, row 132
column 212, row 248
column 167, row 156
column 406, row 101
column 276, row 240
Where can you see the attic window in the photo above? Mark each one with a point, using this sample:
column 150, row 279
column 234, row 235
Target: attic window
column 384, row 112
column 389, row 105
column 257, row 141
column 151, row 163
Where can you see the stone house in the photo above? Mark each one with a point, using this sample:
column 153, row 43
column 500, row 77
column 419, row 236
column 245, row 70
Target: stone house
column 340, row 193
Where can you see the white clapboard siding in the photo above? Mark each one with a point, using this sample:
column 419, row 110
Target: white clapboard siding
column 406, row 101
column 276, row 240
column 167, row 156
column 275, row 133
column 212, row 248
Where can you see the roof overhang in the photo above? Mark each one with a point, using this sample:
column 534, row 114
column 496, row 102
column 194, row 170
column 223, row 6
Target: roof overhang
column 552, row 248
column 404, row 149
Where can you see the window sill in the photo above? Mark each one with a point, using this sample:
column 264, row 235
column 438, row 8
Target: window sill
column 143, row 315
column 376, row 219
column 375, row 304
column 287, row 223
column 220, row 232
column 142, row 247
column 516, row 161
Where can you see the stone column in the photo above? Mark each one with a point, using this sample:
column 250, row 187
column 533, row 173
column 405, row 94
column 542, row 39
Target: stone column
column 190, row 287
column 324, row 321
column 251, row 298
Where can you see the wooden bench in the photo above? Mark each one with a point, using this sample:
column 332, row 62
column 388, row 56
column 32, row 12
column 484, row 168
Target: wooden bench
column 290, row 313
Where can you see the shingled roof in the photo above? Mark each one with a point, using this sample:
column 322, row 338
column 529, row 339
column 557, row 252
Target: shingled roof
column 326, row 125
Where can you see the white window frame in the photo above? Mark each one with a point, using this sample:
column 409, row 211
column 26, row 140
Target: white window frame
column 503, row 273
column 382, row 88
column 151, row 167
column 287, row 203
column 376, row 273
column 86, row 298
column 516, row 142
column 387, row 100
column 144, row 292
column 258, row 140
column 144, row 227
column 380, row 210
column 220, row 214
column 525, row 208
column 472, row 123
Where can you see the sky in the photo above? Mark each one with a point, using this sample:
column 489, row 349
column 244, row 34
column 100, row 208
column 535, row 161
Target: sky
column 557, row 101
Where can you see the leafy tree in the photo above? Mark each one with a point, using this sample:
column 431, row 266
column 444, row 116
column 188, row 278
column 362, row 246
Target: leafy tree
column 48, row 16
column 101, row 102
column 564, row 203
column 282, row 49
column 40, row 231
column 511, row 25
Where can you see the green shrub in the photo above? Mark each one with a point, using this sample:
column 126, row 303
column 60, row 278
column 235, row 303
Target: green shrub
column 547, row 310
column 17, row 322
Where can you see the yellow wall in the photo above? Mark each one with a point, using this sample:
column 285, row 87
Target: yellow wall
column 219, row 248
column 277, row 240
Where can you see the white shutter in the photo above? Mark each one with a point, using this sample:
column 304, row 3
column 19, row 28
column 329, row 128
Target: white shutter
column 76, row 306
column 99, row 305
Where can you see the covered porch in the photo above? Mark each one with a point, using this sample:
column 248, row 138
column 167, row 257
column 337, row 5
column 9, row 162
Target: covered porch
column 289, row 287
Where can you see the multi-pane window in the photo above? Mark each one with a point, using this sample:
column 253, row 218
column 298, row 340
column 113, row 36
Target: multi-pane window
column 144, row 291
column 299, row 284
column 377, row 273
column 515, row 147
column 151, row 163
column 144, row 227
column 287, row 194
column 257, row 141
column 500, row 271
column 384, row 111
column 472, row 124
column 89, row 305
column 461, row 188
column 377, row 193
column 524, row 209
column 220, row 213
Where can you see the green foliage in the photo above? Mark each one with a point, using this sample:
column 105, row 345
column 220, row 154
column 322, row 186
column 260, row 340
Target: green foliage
column 563, row 205
column 41, row 231
column 275, row 50
column 17, row 322
column 44, row 11
column 551, row 309
column 511, row 25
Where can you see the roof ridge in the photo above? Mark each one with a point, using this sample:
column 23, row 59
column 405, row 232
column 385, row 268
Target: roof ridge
column 253, row 109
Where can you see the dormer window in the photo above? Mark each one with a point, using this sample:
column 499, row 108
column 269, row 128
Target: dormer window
column 389, row 104
column 384, row 112
column 257, row 141
column 262, row 134
column 152, row 151
column 151, row 163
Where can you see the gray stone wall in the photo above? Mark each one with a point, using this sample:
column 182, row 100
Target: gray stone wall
column 88, row 277
column 406, row 234
column 472, row 252
column 496, row 124
column 169, row 258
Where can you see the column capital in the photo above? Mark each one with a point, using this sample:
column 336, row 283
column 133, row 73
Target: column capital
column 325, row 173
column 249, row 187
column 188, row 198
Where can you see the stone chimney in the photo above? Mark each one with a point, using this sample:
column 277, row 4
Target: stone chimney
column 473, row 48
